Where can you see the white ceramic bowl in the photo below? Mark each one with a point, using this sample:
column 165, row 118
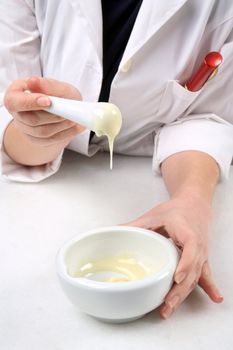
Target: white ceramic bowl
column 121, row 301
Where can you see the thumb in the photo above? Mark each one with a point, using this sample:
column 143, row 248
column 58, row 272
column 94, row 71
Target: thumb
column 53, row 87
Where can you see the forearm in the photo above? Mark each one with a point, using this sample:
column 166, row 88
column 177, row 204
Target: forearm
column 191, row 174
column 19, row 148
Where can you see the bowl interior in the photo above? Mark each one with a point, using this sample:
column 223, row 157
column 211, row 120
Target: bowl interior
column 134, row 250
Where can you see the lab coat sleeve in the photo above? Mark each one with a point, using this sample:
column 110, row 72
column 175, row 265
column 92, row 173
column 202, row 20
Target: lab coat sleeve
column 20, row 58
column 204, row 133
column 208, row 124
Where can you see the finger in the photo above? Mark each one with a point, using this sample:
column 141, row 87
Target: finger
column 35, row 118
column 207, row 284
column 190, row 255
column 44, row 131
column 53, row 87
column 19, row 101
column 179, row 292
column 18, row 85
column 186, row 277
column 58, row 138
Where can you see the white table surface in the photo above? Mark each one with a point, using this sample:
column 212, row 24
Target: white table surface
column 35, row 221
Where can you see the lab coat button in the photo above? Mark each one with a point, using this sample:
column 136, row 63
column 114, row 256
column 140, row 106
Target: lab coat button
column 126, row 67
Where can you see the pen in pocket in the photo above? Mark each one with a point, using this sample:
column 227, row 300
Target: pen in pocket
column 207, row 69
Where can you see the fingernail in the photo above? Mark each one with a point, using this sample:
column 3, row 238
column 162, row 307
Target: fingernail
column 219, row 298
column 167, row 312
column 179, row 277
column 43, row 102
column 173, row 301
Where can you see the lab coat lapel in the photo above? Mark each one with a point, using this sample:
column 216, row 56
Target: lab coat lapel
column 152, row 15
column 90, row 12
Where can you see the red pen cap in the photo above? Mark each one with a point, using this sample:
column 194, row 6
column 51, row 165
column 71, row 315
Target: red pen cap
column 209, row 65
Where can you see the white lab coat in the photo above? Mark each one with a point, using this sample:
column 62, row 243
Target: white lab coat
column 63, row 40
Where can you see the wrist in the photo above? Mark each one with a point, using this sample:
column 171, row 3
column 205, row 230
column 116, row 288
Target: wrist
column 191, row 174
column 191, row 197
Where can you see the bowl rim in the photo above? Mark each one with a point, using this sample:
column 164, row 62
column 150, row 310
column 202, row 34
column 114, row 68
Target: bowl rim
column 120, row 286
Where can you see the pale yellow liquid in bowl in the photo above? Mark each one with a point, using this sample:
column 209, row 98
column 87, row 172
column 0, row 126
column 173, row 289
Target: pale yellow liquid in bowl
column 114, row 269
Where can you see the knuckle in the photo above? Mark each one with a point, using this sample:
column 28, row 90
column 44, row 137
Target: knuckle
column 194, row 283
column 27, row 104
column 63, row 135
column 55, row 138
column 28, row 118
column 31, row 119
column 185, row 272
column 37, row 141
column 43, row 131
column 66, row 124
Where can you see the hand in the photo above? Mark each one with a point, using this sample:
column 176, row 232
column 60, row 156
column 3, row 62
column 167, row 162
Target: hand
column 186, row 222
column 41, row 127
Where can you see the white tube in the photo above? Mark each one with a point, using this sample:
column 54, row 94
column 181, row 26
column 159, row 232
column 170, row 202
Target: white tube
column 77, row 111
column 94, row 116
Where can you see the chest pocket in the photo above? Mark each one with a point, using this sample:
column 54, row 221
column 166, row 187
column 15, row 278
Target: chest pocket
column 175, row 101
